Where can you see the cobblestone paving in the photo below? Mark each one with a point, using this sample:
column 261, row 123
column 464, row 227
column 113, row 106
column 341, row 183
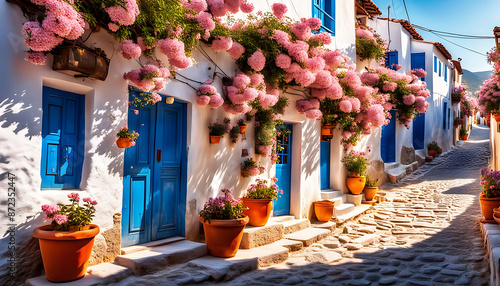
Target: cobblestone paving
column 426, row 233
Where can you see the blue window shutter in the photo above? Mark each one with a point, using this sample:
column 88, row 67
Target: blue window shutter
column 444, row 114
column 435, row 64
column 325, row 11
column 449, row 117
column 418, row 62
column 445, row 73
column 62, row 139
column 419, row 132
column 388, row 140
column 391, row 59
column 440, row 68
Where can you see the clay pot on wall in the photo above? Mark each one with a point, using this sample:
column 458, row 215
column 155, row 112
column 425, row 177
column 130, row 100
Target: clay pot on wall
column 223, row 236
column 124, row 142
column 257, row 210
column 243, row 128
column 65, row 254
column 432, row 153
column 214, row 139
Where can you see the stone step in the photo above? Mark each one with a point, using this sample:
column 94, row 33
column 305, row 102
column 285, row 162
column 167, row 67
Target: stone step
column 160, row 257
column 295, row 225
column 223, row 269
column 309, row 236
column 343, row 209
column 149, row 245
column 100, row 274
column 281, row 218
column 255, row 236
column 353, row 213
column 330, row 194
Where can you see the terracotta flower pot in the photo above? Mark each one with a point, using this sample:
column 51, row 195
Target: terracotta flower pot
column 257, row 210
column 65, row 254
column 464, row 137
column 497, row 117
column 356, row 184
column 323, row 210
column 487, row 205
column 223, row 237
column 370, row 193
column 440, row 150
column 123, row 142
column 214, row 139
column 432, row 153
column 243, row 128
column 327, row 130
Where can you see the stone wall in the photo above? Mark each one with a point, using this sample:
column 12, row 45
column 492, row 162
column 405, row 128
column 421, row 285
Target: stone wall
column 107, row 244
column 407, row 155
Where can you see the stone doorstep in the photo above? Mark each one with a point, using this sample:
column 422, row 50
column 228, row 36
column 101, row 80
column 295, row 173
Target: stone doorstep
column 149, row 245
column 281, row 218
column 100, row 274
column 330, row 194
column 343, row 209
column 255, row 236
column 492, row 245
column 244, row 261
column 160, row 257
column 296, row 225
column 353, row 213
column 309, row 236
column 330, row 225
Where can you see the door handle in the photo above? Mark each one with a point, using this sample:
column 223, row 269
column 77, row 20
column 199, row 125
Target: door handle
column 158, row 155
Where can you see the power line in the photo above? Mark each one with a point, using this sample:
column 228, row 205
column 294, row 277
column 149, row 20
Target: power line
column 453, row 35
column 393, row 9
column 479, row 53
column 407, row 15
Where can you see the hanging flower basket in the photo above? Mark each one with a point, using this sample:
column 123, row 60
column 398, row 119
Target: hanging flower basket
column 124, row 142
column 214, row 139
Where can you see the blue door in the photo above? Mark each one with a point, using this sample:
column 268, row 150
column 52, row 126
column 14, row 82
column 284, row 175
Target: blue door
column 284, row 171
column 154, row 183
column 418, row 62
column 388, row 141
column 62, row 139
column 325, row 165
column 391, row 59
column 419, row 131
column 444, row 114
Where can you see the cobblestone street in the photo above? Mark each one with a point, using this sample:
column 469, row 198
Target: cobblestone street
column 426, row 233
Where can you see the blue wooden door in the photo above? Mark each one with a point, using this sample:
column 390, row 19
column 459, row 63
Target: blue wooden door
column 418, row 62
column 154, row 178
column 444, row 114
column 325, row 165
column 391, row 59
column 62, row 139
column 419, row 132
column 284, row 172
column 388, row 140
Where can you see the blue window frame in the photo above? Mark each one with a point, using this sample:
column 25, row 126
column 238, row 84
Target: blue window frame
column 62, row 139
column 435, row 64
column 445, row 72
column 391, row 59
column 325, row 11
column 418, row 62
column 440, row 68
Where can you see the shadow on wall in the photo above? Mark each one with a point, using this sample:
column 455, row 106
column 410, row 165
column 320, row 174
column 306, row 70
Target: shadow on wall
column 28, row 259
column 16, row 112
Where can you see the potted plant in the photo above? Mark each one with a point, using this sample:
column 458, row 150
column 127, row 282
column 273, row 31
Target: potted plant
column 440, row 150
column 463, row 134
column 223, row 223
column 126, row 138
column 233, row 135
column 258, row 201
column 217, row 130
column 67, row 242
column 370, row 189
column 323, row 210
column 249, row 168
column 432, row 148
column 242, row 125
column 355, row 163
column 490, row 196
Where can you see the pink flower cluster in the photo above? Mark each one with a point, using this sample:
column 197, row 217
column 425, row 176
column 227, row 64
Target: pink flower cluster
column 219, row 8
column 150, row 77
column 208, row 95
column 247, row 88
column 279, row 10
column 36, row 58
column 124, row 15
column 174, row 50
column 130, row 50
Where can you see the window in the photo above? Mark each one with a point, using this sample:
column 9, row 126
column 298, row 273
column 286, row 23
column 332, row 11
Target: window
column 445, row 109
column 445, row 72
column 62, row 139
column 435, row 64
column 440, row 68
column 391, row 59
column 325, row 11
column 418, row 62
column 449, row 117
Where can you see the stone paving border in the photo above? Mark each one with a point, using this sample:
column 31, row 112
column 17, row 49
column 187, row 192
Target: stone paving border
column 491, row 235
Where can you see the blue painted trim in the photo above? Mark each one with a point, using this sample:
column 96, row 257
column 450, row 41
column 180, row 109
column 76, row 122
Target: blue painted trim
column 435, row 64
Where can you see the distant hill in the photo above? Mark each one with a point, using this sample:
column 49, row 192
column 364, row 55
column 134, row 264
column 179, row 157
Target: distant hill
column 474, row 80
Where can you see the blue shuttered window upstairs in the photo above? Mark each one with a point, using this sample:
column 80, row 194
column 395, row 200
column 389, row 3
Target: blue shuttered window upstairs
column 62, row 139
column 325, row 11
column 418, row 62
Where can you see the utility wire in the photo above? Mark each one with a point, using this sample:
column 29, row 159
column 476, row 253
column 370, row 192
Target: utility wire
column 479, row 53
column 453, row 35
column 393, row 9
column 407, row 15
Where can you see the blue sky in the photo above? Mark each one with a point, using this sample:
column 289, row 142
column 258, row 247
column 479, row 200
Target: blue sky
column 471, row 17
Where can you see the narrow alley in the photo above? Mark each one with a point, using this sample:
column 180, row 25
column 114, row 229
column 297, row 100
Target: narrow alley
column 425, row 234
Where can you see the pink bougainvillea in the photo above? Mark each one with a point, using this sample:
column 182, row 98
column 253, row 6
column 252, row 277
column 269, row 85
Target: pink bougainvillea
column 205, row 21
column 257, row 61
column 279, row 10
column 148, row 78
column 36, row 58
column 195, row 5
column 130, row 50
column 124, row 15
column 236, row 50
column 222, row 44
column 208, row 95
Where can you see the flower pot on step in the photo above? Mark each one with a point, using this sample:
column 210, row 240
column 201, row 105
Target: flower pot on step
column 323, row 210
column 487, row 205
column 356, row 184
column 223, row 237
column 257, row 210
column 65, row 254
column 124, row 142
column 440, row 150
column 464, row 137
column 432, row 153
column 370, row 193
